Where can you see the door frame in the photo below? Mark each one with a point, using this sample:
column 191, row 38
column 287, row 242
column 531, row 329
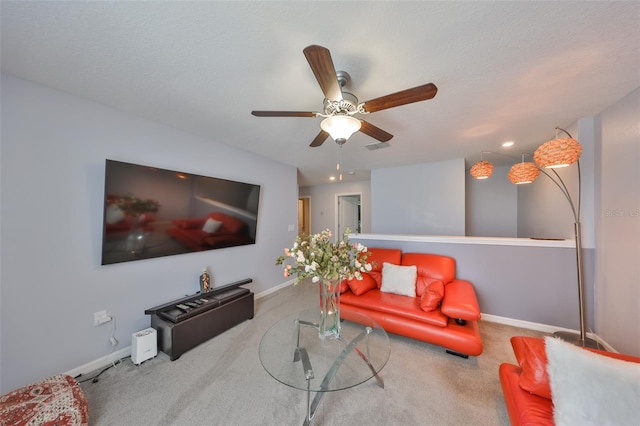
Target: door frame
column 337, row 212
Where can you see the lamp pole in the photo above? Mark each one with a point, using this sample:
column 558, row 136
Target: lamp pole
column 578, row 235
column 581, row 339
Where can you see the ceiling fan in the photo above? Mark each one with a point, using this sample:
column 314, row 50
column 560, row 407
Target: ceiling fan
column 340, row 106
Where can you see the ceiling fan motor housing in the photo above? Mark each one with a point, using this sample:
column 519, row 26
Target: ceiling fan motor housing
column 344, row 79
column 348, row 105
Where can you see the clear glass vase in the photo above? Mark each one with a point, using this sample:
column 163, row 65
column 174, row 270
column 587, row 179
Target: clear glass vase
column 329, row 327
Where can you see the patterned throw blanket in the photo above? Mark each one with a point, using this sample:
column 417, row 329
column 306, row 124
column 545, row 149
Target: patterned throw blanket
column 57, row 400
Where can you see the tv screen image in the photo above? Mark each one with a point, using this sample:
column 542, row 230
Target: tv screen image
column 152, row 212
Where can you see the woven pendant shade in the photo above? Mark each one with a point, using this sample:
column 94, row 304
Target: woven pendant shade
column 481, row 170
column 521, row 173
column 559, row 152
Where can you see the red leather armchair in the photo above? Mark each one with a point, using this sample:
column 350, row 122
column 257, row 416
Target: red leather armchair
column 526, row 387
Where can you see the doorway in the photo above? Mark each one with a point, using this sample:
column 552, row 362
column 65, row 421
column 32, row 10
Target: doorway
column 348, row 214
column 304, row 225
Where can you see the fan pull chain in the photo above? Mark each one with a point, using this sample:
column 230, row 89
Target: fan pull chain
column 338, row 168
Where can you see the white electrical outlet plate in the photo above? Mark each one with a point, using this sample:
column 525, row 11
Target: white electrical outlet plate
column 100, row 317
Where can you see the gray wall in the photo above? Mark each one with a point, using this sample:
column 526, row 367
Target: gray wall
column 52, row 174
column 618, row 225
column 491, row 205
column 422, row 199
column 322, row 203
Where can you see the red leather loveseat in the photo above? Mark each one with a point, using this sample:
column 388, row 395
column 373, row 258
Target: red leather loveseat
column 526, row 387
column 444, row 310
column 225, row 231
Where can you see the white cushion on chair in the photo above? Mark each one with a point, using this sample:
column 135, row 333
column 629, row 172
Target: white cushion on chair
column 591, row 389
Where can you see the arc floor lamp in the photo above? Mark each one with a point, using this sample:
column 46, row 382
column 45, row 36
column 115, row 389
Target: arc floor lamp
column 553, row 154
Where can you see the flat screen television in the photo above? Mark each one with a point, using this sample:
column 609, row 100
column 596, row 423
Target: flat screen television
column 152, row 212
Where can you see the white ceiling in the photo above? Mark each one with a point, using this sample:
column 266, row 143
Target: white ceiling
column 504, row 70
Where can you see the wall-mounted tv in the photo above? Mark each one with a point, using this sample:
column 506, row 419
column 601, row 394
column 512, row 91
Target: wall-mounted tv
column 151, row 212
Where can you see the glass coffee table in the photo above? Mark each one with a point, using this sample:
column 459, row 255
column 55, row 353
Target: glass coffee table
column 292, row 353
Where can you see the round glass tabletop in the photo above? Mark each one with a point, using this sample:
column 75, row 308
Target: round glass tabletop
column 292, row 352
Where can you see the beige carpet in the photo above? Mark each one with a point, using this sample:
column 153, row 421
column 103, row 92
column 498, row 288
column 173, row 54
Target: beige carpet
column 222, row 382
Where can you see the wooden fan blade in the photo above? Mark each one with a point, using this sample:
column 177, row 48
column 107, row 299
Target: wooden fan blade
column 321, row 64
column 375, row 132
column 319, row 140
column 408, row 96
column 283, row 114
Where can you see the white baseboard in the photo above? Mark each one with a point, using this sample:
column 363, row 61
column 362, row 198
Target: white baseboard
column 544, row 328
column 274, row 289
column 101, row 362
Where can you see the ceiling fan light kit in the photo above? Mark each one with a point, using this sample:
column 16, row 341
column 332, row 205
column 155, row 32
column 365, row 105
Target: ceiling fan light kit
column 340, row 127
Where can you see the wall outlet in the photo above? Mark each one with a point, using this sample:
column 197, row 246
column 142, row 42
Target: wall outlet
column 100, row 317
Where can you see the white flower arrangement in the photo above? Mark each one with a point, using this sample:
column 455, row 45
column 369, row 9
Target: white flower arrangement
column 316, row 256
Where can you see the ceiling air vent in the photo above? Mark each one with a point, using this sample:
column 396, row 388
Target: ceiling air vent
column 377, row 145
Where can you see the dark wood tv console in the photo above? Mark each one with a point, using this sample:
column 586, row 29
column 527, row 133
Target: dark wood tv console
column 217, row 311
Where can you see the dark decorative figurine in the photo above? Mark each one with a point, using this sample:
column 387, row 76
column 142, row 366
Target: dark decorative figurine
column 205, row 282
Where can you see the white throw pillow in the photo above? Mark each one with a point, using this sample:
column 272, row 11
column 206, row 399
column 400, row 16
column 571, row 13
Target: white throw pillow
column 211, row 225
column 399, row 279
column 591, row 389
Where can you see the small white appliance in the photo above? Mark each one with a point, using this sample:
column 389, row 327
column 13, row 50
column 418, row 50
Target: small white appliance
column 144, row 345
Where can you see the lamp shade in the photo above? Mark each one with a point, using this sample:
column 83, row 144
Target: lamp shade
column 340, row 126
column 521, row 173
column 481, row 170
column 559, row 152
